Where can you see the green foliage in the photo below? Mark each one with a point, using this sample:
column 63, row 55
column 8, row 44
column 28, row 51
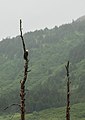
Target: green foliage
column 49, row 50
column 77, row 113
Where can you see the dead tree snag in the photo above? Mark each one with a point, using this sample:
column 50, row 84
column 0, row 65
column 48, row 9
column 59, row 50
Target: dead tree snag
column 22, row 91
column 68, row 93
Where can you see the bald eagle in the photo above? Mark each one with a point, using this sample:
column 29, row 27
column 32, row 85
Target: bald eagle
column 25, row 55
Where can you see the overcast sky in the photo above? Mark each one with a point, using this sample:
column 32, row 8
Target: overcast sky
column 37, row 14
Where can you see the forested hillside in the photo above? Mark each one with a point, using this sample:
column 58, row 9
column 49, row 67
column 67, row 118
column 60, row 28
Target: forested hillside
column 49, row 51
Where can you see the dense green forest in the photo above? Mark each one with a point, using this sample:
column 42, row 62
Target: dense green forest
column 49, row 51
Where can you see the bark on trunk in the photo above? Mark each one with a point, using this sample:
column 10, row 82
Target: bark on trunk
column 68, row 93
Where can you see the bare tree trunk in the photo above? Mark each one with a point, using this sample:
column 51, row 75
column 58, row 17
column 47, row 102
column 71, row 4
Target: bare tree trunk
column 68, row 93
column 22, row 91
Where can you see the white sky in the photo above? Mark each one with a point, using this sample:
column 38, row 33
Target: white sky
column 37, row 14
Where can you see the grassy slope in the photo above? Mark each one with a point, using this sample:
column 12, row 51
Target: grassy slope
column 77, row 113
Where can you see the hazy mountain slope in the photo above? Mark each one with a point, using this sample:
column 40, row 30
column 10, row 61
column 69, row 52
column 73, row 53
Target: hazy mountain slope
column 81, row 19
column 49, row 50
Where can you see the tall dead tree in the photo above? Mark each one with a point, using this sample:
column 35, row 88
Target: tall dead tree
column 68, row 93
column 22, row 91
